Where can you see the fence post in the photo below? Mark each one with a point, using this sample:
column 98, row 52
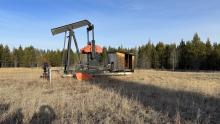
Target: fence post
column 50, row 76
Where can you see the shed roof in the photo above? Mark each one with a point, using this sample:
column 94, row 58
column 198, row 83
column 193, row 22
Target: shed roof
column 129, row 53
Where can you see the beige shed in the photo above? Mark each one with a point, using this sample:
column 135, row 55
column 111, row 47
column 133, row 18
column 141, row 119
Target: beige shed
column 121, row 61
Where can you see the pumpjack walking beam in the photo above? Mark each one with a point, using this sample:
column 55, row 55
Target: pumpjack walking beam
column 69, row 28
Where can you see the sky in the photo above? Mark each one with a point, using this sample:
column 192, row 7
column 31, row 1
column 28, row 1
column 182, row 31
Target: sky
column 129, row 23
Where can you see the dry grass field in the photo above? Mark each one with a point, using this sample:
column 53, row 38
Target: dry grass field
column 147, row 96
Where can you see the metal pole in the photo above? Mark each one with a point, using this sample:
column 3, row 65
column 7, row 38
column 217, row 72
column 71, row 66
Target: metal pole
column 93, row 44
column 77, row 48
column 64, row 49
column 87, row 35
column 68, row 53
column 93, row 34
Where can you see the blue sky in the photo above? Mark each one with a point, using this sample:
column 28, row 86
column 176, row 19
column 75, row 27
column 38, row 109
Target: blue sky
column 117, row 22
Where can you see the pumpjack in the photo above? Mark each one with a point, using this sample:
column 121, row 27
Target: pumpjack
column 88, row 57
column 91, row 50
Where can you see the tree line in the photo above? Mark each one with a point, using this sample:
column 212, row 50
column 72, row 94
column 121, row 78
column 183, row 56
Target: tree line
column 187, row 55
column 30, row 57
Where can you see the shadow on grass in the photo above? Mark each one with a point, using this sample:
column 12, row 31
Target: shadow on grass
column 15, row 117
column 46, row 115
column 190, row 106
column 4, row 108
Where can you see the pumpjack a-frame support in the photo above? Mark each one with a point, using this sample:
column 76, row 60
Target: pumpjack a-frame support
column 69, row 28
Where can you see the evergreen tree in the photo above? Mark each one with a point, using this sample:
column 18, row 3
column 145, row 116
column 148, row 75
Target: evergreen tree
column 140, row 60
column 181, row 51
column 30, row 57
column 40, row 57
column 6, row 57
column 15, row 57
column 160, row 48
column 155, row 58
column 170, row 56
column 207, row 64
column 215, row 57
column 20, row 57
column 148, row 55
column 199, row 52
column 1, row 55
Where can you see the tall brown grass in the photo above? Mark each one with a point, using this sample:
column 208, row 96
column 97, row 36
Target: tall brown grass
column 147, row 96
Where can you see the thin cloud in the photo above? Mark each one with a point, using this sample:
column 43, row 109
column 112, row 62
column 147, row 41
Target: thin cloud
column 137, row 7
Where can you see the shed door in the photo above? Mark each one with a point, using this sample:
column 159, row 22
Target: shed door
column 128, row 61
